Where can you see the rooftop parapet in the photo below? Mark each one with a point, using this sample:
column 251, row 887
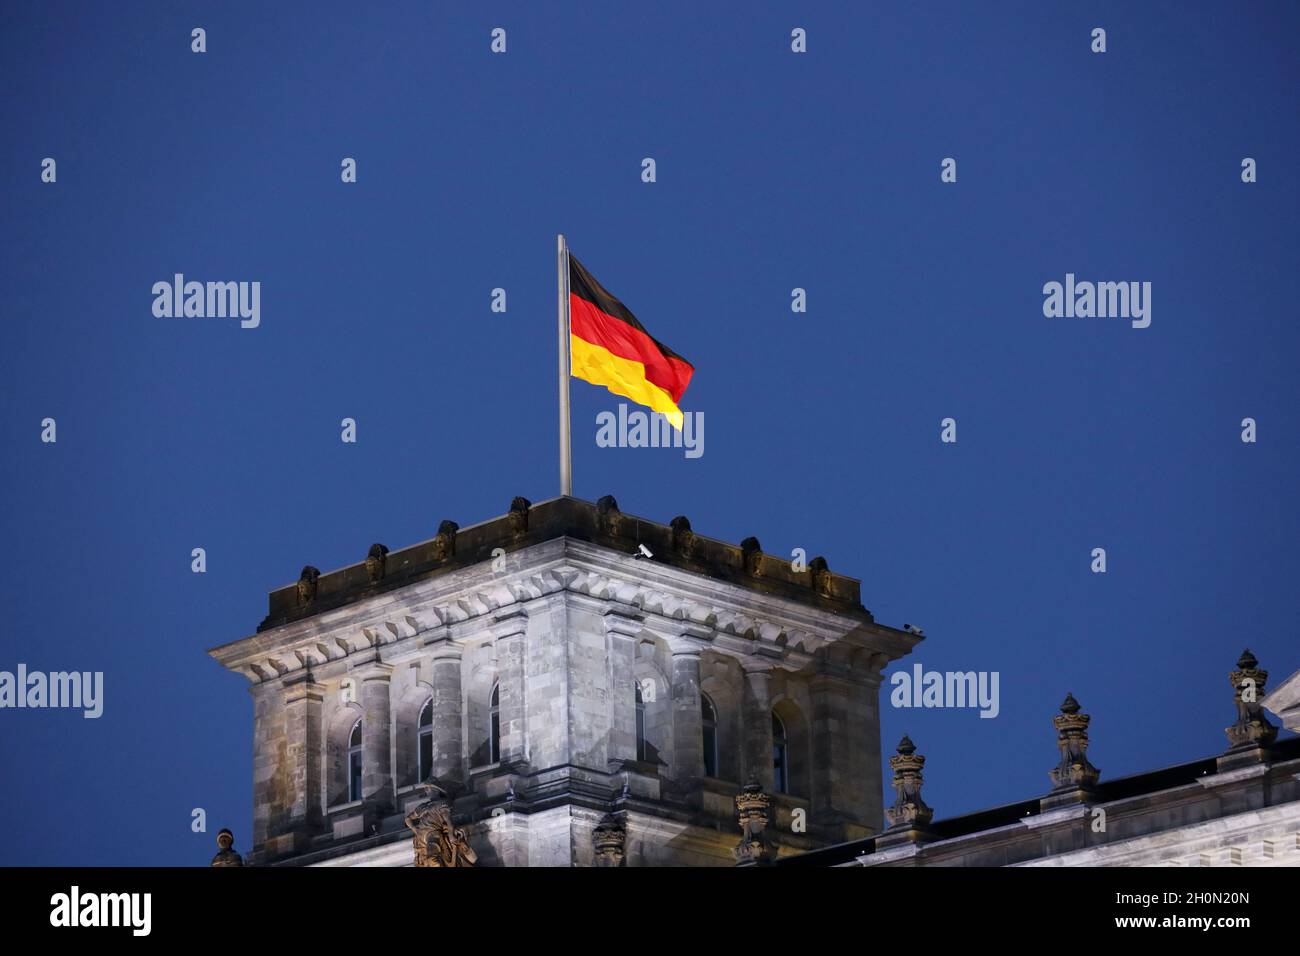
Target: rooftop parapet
column 675, row 544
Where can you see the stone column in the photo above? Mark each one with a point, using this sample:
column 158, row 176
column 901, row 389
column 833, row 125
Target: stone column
column 511, row 634
column 758, row 725
column 688, row 730
column 448, row 764
column 622, row 628
column 304, row 750
column 377, row 737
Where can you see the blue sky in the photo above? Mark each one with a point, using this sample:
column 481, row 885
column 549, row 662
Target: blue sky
column 775, row 171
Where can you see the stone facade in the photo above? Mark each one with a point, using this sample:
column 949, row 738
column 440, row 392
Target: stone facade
column 600, row 658
column 1240, row 808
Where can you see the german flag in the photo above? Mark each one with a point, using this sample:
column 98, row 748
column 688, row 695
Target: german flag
column 609, row 347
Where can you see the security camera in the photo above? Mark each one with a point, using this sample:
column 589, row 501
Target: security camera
column 644, row 552
column 912, row 630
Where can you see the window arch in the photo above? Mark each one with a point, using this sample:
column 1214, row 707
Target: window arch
column 709, row 729
column 780, row 756
column 494, row 720
column 424, row 737
column 642, row 751
column 355, row 762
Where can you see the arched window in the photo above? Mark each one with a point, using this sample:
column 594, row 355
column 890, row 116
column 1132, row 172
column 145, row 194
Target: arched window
column 709, row 722
column 494, row 737
column 642, row 752
column 424, row 731
column 354, row 762
column 780, row 756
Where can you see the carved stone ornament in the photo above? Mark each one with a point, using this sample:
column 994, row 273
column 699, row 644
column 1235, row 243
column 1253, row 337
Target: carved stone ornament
column 609, row 840
column 1252, row 728
column 376, row 563
column 683, row 537
column 909, row 810
column 1074, row 770
column 307, row 585
column 753, row 809
column 609, row 520
column 518, row 516
column 751, row 553
column 822, row 581
column 444, row 542
column 226, row 855
column 437, row 842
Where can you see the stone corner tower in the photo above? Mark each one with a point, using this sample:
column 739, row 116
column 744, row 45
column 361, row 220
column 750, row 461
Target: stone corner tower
column 585, row 688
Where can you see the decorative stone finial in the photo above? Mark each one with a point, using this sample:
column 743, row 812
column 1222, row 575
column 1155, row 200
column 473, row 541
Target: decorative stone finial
column 683, row 536
column 608, row 518
column 307, row 585
column 822, row 581
column 444, row 542
column 518, row 516
column 1074, row 772
column 751, row 553
column 376, row 563
column 1252, row 728
column 909, row 811
column 609, row 840
column 226, row 855
column 753, row 808
column 437, row 842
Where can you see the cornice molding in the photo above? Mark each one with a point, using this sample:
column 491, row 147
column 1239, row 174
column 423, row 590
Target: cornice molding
column 678, row 605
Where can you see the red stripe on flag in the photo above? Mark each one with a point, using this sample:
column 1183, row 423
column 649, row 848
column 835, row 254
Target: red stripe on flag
column 599, row 328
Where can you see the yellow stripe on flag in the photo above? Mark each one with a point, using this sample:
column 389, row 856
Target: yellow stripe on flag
column 599, row 366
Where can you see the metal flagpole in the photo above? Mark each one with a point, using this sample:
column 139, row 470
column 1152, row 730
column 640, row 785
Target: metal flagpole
column 566, row 460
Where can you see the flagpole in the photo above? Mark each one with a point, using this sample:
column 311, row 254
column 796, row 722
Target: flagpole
column 562, row 277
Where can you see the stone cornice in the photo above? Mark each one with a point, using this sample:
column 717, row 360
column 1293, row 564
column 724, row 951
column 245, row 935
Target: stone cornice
column 679, row 604
column 1174, row 842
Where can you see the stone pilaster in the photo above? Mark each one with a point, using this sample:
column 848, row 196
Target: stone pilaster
column 622, row 628
column 448, row 762
column 864, row 731
column 758, row 724
column 304, row 749
column 833, row 786
column 688, row 724
column 510, row 631
column 270, row 790
column 376, row 737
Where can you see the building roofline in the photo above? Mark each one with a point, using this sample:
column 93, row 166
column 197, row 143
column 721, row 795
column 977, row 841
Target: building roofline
column 1141, row 784
column 602, row 523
